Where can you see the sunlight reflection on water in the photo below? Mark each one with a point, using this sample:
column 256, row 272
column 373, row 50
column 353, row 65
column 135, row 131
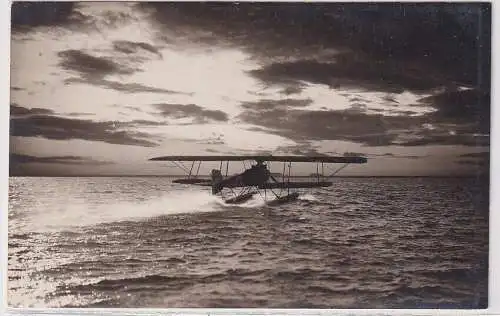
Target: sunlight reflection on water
column 132, row 242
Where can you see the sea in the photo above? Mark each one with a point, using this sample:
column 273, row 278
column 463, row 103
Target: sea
column 145, row 242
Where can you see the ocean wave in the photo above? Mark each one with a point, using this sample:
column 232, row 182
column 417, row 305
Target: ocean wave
column 126, row 284
column 180, row 247
column 452, row 274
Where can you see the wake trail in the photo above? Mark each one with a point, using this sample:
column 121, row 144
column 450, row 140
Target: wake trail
column 80, row 213
column 308, row 197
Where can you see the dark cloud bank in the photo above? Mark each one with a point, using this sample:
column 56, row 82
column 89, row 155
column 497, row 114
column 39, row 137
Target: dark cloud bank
column 445, row 39
column 196, row 112
column 129, row 47
column 17, row 158
column 26, row 15
column 382, row 47
column 37, row 122
column 93, row 70
column 480, row 159
column 454, row 123
column 432, row 48
column 90, row 66
column 45, row 123
column 21, row 165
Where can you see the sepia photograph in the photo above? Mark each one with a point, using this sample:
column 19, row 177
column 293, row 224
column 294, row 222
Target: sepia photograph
column 278, row 155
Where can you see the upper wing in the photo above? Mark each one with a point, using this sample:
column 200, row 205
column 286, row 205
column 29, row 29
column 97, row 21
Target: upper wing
column 324, row 159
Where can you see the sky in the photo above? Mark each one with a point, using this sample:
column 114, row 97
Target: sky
column 98, row 88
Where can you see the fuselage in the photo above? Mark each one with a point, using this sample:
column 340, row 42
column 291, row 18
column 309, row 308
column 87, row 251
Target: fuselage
column 257, row 175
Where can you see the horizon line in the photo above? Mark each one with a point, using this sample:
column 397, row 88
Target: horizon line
column 207, row 176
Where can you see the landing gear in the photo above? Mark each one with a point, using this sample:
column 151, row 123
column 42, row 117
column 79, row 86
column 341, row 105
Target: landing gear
column 289, row 196
column 284, row 199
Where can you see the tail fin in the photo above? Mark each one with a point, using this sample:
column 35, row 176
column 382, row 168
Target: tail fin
column 216, row 181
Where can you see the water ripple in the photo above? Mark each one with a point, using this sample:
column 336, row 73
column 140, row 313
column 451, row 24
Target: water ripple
column 364, row 243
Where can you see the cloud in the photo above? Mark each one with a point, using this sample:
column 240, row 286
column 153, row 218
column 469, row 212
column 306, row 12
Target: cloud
column 16, row 110
column 292, row 89
column 26, row 15
column 348, row 71
column 93, row 69
column 398, row 112
column 71, row 160
column 303, row 125
column 80, row 114
column 480, row 160
column 267, row 104
column 89, row 66
column 378, row 156
column 480, row 155
column 353, row 154
column 129, row 47
column 413, row 46
column 125, row 58
column 19, row 111
column 199, row 114
column 23, row 165
column 462, row 107
column 461, row 117
column 300, row 149
column 449, row 138
column 122, row 87
column 392, row 155
column 357, row 108
column 59, row 128
column 213, row 142
column 69, row 16
column 479, row 164
column 129, row 107
column 138, row 123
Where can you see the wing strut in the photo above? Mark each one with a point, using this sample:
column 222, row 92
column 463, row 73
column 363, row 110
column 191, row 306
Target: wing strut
column 191, row 170
column 284, row 175
column 317, row 172
column 198, row 170
column 338, row 170
column 181, row 166
column 289, row 175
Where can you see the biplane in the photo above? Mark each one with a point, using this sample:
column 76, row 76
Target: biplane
column 241, row 187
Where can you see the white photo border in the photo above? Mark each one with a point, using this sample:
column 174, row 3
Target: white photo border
column 494, row 241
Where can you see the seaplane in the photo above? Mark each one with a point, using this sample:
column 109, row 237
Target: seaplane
column 241, row 187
